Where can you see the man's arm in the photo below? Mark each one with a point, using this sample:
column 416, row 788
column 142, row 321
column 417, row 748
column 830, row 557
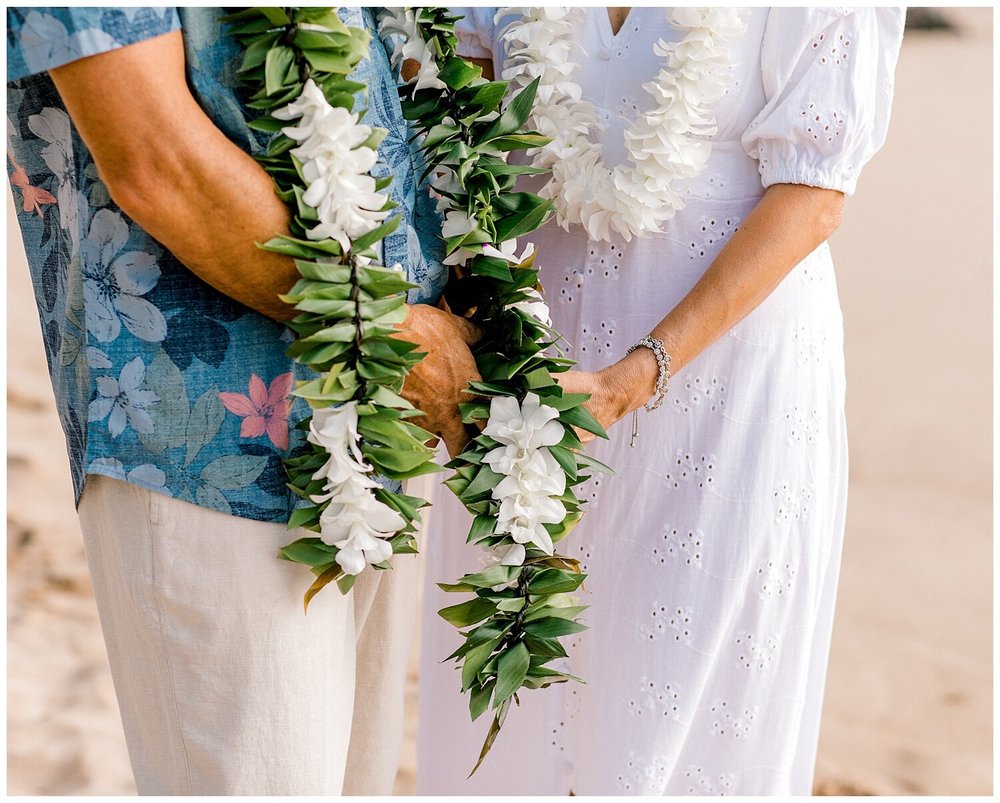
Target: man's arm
column 178, row 176
column 175, row 174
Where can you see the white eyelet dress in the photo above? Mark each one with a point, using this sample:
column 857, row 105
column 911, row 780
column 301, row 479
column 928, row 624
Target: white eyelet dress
column 713, row 555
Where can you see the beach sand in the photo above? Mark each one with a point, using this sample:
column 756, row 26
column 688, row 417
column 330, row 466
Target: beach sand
column 908, row 708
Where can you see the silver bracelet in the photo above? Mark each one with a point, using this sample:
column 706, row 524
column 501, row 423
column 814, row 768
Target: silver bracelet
column 662, row 379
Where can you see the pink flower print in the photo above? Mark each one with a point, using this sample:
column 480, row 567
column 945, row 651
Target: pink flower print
column 266, row 410
column 34, row 197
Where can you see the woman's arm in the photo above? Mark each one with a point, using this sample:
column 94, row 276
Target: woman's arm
column 788, row 223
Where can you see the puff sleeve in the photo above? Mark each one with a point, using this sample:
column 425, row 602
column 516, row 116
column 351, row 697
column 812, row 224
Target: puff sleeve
column 475, row 31
column 828, row 85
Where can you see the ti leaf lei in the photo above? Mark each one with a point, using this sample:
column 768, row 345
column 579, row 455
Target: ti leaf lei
column 517, row 477
column 297, row 62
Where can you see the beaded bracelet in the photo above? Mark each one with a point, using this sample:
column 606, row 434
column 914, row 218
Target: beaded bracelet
column 662, row 379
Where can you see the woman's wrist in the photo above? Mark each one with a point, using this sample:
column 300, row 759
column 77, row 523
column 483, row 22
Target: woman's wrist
column 631, row 382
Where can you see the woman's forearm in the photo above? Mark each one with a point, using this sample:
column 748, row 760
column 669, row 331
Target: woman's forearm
column 788, row 223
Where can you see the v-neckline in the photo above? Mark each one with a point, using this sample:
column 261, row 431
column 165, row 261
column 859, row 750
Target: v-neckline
column 607, row 32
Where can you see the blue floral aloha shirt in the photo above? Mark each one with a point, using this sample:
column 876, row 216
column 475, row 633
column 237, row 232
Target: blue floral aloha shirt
column 160, row 380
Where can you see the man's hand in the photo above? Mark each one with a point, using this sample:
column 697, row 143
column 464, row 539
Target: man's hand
column 437, row 383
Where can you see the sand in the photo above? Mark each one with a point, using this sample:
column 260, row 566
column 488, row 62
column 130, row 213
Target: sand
column 909, row 697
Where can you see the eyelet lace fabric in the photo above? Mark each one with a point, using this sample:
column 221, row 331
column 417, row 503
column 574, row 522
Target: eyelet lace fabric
column 712, row 557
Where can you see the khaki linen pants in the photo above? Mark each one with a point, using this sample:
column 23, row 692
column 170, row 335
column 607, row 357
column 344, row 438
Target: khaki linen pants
column 225, row 685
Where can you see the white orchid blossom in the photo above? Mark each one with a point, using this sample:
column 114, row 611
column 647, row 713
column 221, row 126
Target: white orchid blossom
column 335, row 164
column 530, row 424
column 355, row 520
column 534, row 306
column 532, row 477
column 507, row 251
column 396, row 21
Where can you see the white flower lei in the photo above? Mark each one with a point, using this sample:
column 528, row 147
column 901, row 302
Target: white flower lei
column 336, row 163
column 337, row 155
column 664, row 145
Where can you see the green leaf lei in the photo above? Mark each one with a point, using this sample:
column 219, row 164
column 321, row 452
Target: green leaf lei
column 347, row 302
column 513, row 625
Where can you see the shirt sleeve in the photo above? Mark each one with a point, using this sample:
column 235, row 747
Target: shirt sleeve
column 828, row 85
column 40, row 39
column 475, row 31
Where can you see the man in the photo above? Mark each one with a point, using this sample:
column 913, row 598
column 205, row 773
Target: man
column 140, row 205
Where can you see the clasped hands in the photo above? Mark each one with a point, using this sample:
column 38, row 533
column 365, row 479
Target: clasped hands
column 437, row 384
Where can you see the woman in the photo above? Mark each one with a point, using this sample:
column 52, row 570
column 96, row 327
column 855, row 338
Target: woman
column 713, row 555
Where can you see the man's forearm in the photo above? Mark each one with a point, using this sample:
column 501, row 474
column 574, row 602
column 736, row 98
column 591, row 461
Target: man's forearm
column 200, row 195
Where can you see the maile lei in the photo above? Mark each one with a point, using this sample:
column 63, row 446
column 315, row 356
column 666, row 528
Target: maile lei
column 517, row 476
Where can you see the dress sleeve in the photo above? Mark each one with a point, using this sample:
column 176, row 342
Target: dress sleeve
column 828, row 85
column 40, row 39
column 475, row 31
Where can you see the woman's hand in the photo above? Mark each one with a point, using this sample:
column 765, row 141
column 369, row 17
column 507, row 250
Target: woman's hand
column 614, row 391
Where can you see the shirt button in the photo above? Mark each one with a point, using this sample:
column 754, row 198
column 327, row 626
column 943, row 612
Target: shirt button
column 604, row 54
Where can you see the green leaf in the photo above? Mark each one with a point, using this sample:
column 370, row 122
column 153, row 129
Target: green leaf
column 511, row 671
column 276, row 65
column 475, row 659
column 346, row 582
column 491, row 735
column 327, row 61
column 554, row 581
column 566, row 460
column 519, row 224
column 376, row 234
column 581, row 417
column 553, row 627
column 514, row 116
column 303, row 517
column 542, row 610
column 511, row 604
column 486, row 480
column 491, row 266
column 479, row 699
column 276, row 16
column 396, row 460
column 457, row 73
column 481, row 527
column 545, row 647
column 309, row 551
column 493, row 576
column 515, row 142
column 487, row 96
column 586, row 461
column 467, row 613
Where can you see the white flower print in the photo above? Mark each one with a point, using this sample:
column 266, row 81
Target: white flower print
column 124, row 400
column 146, row 475
column 53, row 127
column 45, row 41
column 114, row 283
